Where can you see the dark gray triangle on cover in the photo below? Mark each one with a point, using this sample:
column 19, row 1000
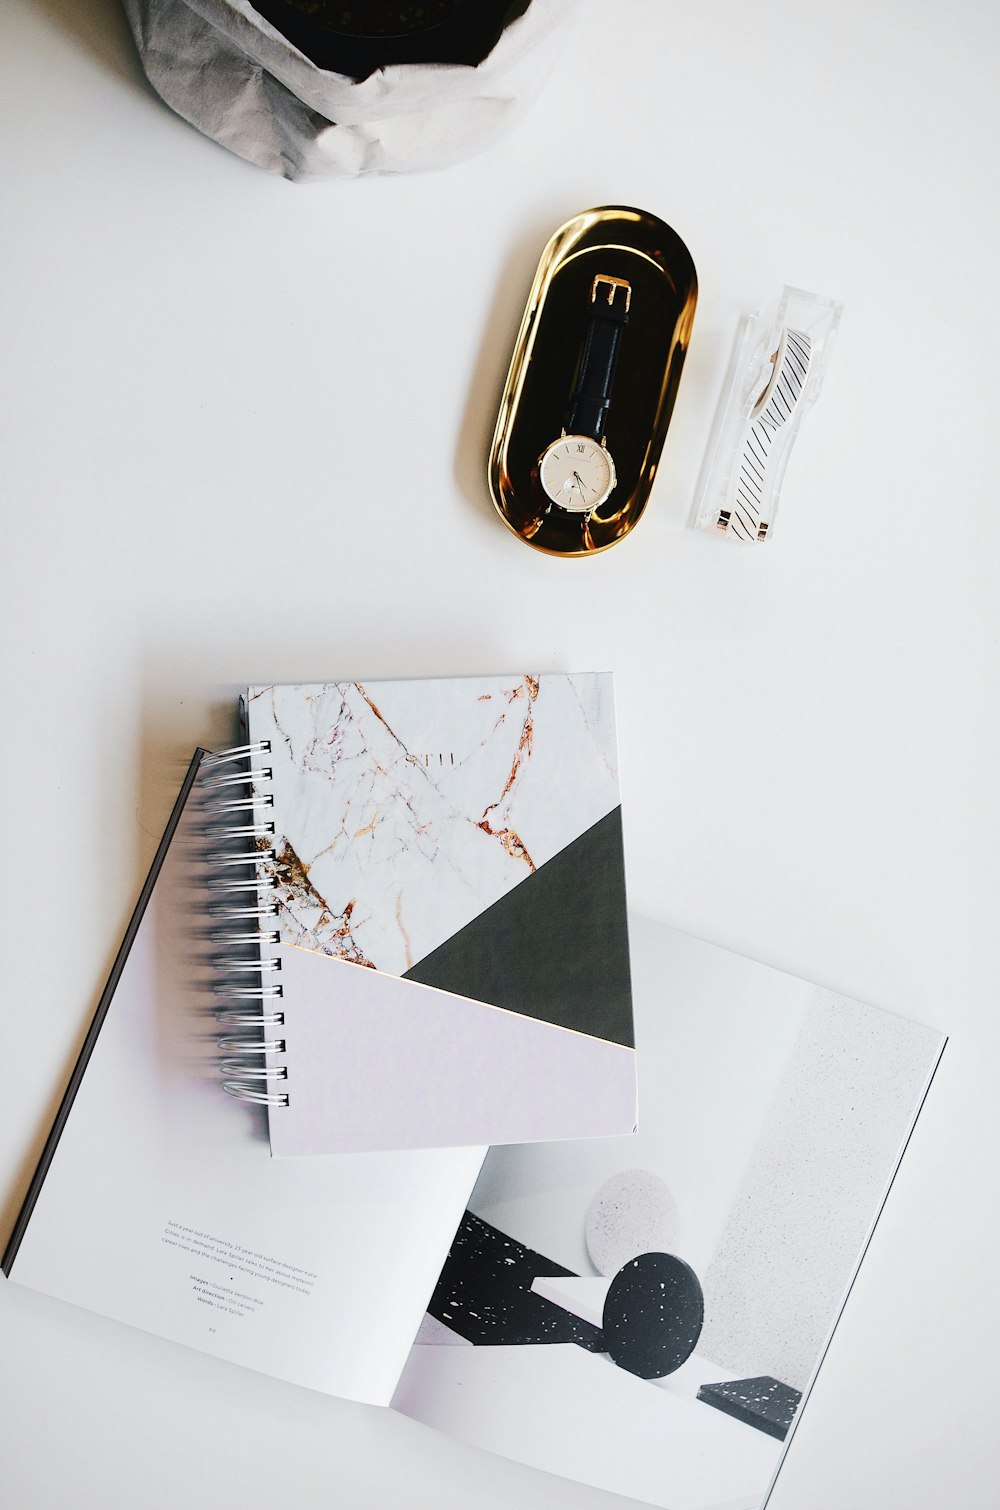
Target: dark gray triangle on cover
column 555, row 947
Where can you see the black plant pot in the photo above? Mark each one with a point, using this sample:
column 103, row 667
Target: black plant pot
column 307, row 88
column 357, row 37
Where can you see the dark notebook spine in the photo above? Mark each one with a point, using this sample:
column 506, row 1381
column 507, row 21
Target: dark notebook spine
column 239, row 834
column 103, row 1006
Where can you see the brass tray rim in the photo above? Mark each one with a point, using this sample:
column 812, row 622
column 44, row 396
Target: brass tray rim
column 562, row 247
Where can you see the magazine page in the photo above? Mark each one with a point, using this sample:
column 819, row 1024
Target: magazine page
column 163, row 1208
column 647, row 1314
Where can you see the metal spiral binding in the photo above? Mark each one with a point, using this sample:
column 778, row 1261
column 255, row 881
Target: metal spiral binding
column 238, row 898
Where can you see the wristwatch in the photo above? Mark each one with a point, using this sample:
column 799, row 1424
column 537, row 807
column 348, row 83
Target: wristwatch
column 577, row 471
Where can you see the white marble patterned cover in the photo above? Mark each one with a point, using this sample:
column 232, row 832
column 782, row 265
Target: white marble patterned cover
column 403, row 811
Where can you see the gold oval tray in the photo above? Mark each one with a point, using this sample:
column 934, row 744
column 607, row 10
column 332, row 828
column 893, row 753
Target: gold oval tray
column 615, row 242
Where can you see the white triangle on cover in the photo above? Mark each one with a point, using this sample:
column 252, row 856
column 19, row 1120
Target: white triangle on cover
column 375, row 1062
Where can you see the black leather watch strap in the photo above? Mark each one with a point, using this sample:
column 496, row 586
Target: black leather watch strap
column 595, row 373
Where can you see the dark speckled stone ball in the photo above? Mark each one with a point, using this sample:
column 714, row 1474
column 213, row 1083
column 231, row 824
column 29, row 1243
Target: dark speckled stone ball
column 653, row 1315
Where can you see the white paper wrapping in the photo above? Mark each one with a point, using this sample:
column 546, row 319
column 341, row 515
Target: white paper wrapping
column 229, row 72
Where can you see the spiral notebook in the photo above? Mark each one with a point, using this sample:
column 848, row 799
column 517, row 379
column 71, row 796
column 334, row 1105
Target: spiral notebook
column 436, row 920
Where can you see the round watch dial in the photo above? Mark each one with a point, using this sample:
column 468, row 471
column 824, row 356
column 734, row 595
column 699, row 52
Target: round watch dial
column 576, row 473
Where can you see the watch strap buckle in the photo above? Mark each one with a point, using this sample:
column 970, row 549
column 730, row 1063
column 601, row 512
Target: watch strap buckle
column 605, row 281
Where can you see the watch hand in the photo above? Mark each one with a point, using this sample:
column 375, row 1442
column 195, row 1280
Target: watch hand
column 579, row 483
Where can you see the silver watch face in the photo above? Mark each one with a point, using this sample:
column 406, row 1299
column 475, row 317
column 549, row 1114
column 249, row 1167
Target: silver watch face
column 577, row 473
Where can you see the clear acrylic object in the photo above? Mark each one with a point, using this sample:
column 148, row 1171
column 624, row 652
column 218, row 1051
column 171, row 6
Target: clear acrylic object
column 775, row 376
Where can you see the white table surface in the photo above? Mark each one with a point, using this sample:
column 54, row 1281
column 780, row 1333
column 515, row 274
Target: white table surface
column 243, row 437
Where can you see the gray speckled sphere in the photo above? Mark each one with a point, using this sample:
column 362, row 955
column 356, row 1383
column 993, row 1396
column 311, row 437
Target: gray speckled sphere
column 632, row 1213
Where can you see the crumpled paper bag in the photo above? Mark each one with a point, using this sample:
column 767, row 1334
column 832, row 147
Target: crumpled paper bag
column 233, row 75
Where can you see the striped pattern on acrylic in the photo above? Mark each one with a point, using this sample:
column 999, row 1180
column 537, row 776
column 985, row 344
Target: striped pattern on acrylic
column 746, row 518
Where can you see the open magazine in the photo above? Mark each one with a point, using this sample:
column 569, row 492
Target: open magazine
column 643, row 1313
